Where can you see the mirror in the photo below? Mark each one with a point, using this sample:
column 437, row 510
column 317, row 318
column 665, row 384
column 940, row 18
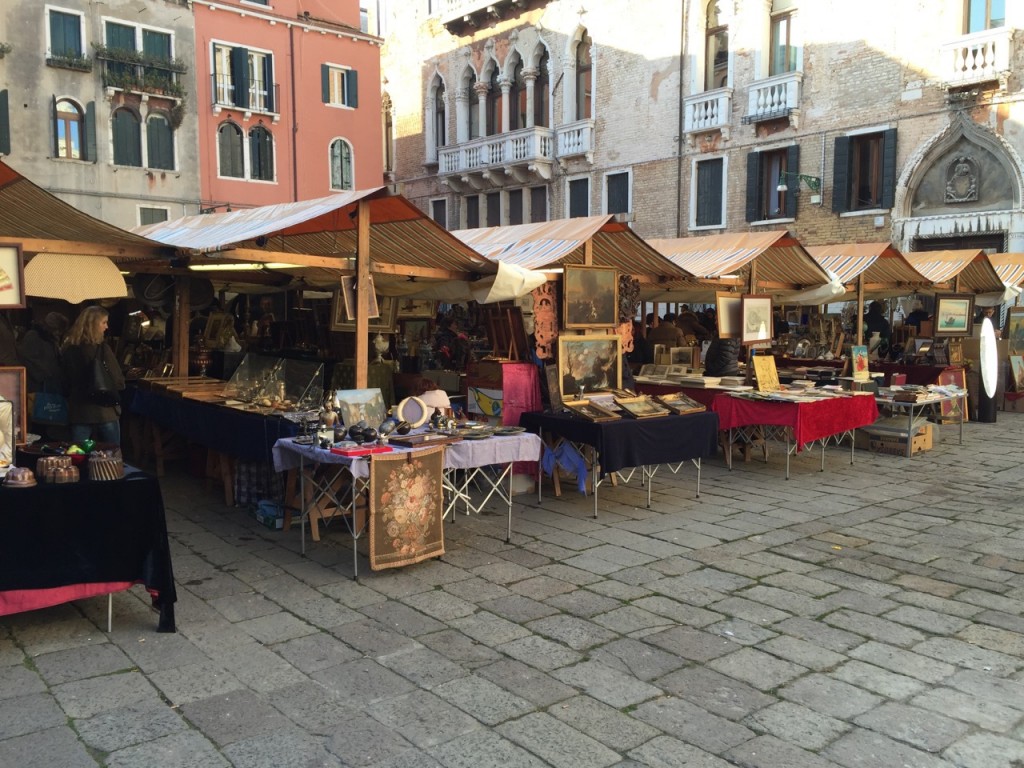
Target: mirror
column 989, row 358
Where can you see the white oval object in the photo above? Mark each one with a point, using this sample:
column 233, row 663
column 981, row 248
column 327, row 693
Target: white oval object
column 989, row 358
column 414, row 411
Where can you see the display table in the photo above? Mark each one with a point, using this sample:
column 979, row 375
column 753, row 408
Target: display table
column 630, row 443
column 703, row 395
column 933, row 404
column 799, row 424
column 330, row 484
column 69, row 541
column 916, row 374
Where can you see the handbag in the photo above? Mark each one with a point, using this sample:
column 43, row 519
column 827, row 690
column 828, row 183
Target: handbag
column 102, row 390
column 50, row 408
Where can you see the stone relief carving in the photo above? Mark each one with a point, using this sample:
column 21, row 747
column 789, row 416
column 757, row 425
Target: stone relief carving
column 962, row 180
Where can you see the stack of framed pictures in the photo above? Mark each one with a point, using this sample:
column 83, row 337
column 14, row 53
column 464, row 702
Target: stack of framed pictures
column 590, row 411
column 641, row 407
column 680, row 404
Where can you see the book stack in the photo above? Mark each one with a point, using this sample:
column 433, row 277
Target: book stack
column 731, row 381
column 700, row 382
column 907, row 396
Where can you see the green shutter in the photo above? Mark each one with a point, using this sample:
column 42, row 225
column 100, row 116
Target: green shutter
column 351, row 88
column 841, row 175
column 889, row 168
column 65, row 34
column 268, row 79
column 325, row 84
column 120, row 36
column 127, row 139
column 5, row 124
column 89, row 140
column 754, row 186
column 160, row 143
column 792, row 165
column 156, row 44
column 240, row 76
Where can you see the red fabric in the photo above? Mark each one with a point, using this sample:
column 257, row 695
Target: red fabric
column 810, row 421
column 18, row 600
column 520, row 393
column 916, row 374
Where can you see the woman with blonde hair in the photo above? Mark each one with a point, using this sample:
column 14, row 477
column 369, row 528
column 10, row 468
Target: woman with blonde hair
column 90, row 415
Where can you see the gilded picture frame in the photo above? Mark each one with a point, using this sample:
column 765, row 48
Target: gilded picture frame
column 384, row 323
column 12, row 388
column 590, row 298
column 593, row 362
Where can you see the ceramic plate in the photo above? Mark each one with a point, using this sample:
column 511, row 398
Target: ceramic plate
column 414, row 411
column 509, row 430
column 476, row 435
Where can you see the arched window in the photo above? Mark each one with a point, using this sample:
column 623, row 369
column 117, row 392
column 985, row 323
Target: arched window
column 716, row 50
column 341, row 165
column 517, row 99
column 541, row 93
column 440, row 118
column 229, row 145
column 493, row 104
column 474, row 108
column 261, row 154
column 127, row 138
column 584, row 78
column 69, row 130
column 159, row 143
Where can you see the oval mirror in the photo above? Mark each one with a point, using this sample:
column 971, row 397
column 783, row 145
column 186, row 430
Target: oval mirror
column 989, row 358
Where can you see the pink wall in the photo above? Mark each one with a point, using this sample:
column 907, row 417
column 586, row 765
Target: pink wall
column 304, row 126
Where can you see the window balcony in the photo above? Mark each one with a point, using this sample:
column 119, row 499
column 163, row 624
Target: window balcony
column 980, row 57
column 261, row 101
column 576, row 139
column 519, row 157
column 135, row 73
column 773, row 98
column 460, row 15
column 708, row 111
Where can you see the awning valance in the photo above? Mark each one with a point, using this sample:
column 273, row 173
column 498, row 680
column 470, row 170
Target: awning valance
column 884, row 270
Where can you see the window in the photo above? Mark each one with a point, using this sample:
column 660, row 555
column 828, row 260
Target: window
column 364, row 20
column 231, row 151
column 440, row 118
column 538, row 204
column 474, row 109
column 493, row 104
column 984, row 14
column 127, row 138
column 716, row 50
column 764, row 172
column 584, row 78
column 493, row 209
column 439, row 212
column 159, row 143
column 243, row 78
column 120, row 37
column 5, row 123
column 709, row 199
column 69, row 130
column 616, row 192
column 783, row 52
column 339, row 86
column 261, row 154
column 157, row 46
column 472, row 212
column 515, row 206
column 152, row 215
column 517, row 99
column 864, row 174
column 65, row 34
column 579, row 198
column 341, row 165
column 541, row 93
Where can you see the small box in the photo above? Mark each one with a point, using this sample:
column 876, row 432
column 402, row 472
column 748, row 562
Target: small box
column 897, row 446
column 1013, row 401
column 270, row 515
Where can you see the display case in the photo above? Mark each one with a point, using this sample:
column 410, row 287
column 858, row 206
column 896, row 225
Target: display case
column 269, row 383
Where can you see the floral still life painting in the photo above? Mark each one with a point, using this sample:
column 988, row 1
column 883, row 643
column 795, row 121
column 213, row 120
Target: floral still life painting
column 406, row 508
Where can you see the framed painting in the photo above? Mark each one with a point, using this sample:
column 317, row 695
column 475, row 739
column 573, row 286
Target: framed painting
column 641, row 407
column 586, row 363
column 591, row 297
column 384, row 323
column 590, row 411
column 355, row 405
column 413, row 308
column 1017, row 369
column 216, row 324
column 6, row 435
column 956, row 353
column 553, row 389
column 954, row 314
column 406, row 507
column 348, row 295
column 687, row 356
column 12, row 388
column 728, row 314
column 12, row 277
column 954, row 410
column 1014, row 331
column 859, row 355
column 679, row 403
column 767, row 374
column 755, row 318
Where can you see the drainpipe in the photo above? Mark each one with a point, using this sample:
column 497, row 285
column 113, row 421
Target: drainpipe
column 682, row 122
column 295, row 117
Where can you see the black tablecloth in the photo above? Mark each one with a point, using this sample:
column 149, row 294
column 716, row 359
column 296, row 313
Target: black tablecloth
column 242, row 435
column 56, row 535
column 627, row 443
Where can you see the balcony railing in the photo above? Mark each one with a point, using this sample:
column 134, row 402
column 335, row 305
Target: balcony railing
column 260, row 98
column 132, row 71
column 523, row 147
column 474, row 13
column 980, row 57
column 576, row 139
column 774, row 97
column 707, row 111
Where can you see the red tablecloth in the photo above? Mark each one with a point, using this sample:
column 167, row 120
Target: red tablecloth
column 809, row 421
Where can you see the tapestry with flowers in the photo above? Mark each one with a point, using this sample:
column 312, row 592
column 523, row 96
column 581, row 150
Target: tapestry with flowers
column 406, row 507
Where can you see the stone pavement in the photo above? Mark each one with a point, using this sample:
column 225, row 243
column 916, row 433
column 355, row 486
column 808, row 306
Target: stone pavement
column 868, row 617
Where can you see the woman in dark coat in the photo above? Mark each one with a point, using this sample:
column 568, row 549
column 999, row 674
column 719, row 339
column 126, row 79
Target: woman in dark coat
column 85, row 340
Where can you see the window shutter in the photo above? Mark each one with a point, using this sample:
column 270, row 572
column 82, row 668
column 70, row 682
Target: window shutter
column 53, row 127
column 56, row 33
column 754, row 186
column 841, row 175
column 240, row 76
column 792, row 165
column 351, row 88
column 268, row 79
column 325, row 84
column 89, row 140
column 889, row 168
column 5, row 124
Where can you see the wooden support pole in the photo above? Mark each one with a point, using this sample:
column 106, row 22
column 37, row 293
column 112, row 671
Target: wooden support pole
column 860, row 309
column 363, row 288
column 182, row 312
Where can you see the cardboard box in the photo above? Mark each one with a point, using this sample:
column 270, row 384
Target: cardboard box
column 1013, row 401
column 897, row 446
column 270, row 518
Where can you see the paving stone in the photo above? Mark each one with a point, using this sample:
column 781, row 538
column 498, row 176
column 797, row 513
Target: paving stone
column 118, row 728
column 606, row 684
column 619, row 590
column 503, row 572
column 878, row 680
column 636, row 658
column 486, row 628
column 188, row 749
column 24, row 714
column 247, row 605
column 741, row 632
column 777, row 604
column 989, row 714
column 484, row 749
column 985, row 750
column 413, row 758
column 666, row 752
column 875, row 628
column 691, row 644
column 692, row 724
column 557, row 743
column 20, row 681
column 163, row 651
column 484, row 700
column 993, row 638
column 759, row 669
column 361, row 740
column 583, row 603
column 925, row 730
column 929, row 621
column 195, row 681
column 233, row 716
column 440, row 605
column 532, row 685
column 85, row 698
column 903, row 662
column 289, row 748
column 680, row 613
column 460, row 648
column 47, row 748
column 835, row 698
column 801, row 652
column 603, row 723
column 796, row 724
column 579, row 634
column 402, row 619
column 964, row 654
column 352, row 593
column 519, row 608
column 591, row 563
column 939, row 604
column 771, row 752
column 263, row 670
column 373, row 638
column 58, row 628
column 540, row 652
column 862, row 748
column 988, row 686
column 276, row 627
column 718, row 693
column 90, row 661
column 315, row 652
column 311, row 706
column 423, row 718
column 362, row 682
column 630, row 618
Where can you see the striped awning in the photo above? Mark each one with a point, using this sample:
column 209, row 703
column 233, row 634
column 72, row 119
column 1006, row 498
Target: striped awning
column 943, row 268
column 782, row 262
column 883, row 267
column 553, row 244
column 1009, row 266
